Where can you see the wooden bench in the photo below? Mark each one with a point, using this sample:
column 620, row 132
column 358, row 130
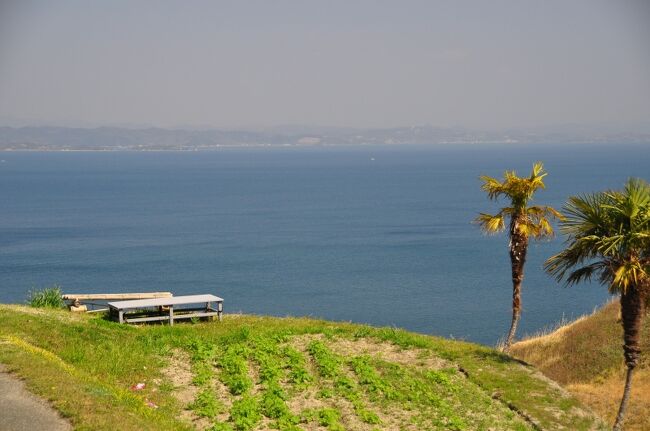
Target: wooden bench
column 77, row 300
column 161, row 309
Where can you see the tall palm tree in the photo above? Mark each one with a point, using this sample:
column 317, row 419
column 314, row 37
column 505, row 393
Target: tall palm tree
column 609, row 238
column 524, row 222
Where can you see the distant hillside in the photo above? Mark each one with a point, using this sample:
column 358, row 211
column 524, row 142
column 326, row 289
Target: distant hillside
column 156, row 139
column 586, row 357
column 260, row 373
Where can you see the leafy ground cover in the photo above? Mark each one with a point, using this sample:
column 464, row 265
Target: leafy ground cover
column 586, row 357
column 254, row 373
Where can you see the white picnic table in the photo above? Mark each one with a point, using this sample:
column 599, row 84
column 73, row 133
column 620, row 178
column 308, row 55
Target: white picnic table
column 165, row 308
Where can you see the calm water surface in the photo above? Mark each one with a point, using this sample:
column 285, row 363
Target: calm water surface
column 380, row 235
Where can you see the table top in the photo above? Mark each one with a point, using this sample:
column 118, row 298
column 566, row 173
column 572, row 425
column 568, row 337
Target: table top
column 159, row 302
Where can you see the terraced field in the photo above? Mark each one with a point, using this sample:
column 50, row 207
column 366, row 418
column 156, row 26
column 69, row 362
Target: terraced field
column 258, row 373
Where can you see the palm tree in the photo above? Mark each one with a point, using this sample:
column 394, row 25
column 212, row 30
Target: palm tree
column 609, row 238
column 524, row 222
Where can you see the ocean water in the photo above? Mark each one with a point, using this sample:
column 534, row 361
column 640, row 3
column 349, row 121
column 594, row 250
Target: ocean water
column 378, row 235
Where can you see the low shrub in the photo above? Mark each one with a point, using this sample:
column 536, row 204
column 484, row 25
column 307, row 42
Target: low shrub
column 49, row 297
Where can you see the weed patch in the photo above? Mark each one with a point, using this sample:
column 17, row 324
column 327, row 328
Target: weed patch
column 50, row 297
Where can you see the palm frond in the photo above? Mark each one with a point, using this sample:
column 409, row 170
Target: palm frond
column 491, row 224
column 540, row 216
column 545, row 227
column 628, row 274
column 611, row 232
column 519, row 190
column 538, row 170
column 493, row 187
column 585, row 273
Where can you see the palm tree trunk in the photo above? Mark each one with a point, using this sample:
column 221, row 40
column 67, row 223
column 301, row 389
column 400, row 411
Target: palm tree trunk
column 632, row 310
column 626, row 395
column 518, row 248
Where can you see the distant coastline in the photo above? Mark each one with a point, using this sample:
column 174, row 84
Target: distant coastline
column 160, row 139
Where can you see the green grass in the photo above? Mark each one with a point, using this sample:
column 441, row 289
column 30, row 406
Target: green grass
column 50, row 297
column 251, row 373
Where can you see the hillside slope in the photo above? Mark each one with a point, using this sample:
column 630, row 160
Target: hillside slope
column 586, row 357
column 253, row 373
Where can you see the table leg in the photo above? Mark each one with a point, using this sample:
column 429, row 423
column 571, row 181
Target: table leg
column 219, row 310
column 120, row 316
column 207, row 310
column 171, row 315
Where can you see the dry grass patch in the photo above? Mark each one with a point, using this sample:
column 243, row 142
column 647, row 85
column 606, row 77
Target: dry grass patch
column 604, row 396
column 306, row 400
column 389, row 352
column 586, row 356
column 46, row 313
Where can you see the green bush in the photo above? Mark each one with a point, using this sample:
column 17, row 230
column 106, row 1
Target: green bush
column 49, row 297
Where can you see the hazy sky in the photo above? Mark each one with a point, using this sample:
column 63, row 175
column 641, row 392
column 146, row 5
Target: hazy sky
column 335, row 63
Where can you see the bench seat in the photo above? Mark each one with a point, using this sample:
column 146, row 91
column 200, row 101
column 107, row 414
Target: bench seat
column 161, row 309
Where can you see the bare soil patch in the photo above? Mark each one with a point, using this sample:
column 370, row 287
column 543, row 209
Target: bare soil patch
column 178, row 372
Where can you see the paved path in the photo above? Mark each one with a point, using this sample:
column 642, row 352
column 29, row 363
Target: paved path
column 23, row 411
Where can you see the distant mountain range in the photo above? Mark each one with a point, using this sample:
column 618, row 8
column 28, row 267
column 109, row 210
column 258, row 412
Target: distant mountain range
column 155, row 139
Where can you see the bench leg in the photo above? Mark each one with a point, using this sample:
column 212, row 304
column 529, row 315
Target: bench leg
column 171, row 315
column 207, row 309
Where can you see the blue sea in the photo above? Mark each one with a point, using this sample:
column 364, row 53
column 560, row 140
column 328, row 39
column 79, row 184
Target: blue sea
column 371, row 234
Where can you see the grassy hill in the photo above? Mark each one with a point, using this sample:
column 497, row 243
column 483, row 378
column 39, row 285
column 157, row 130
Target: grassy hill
column 586, row 357
column 251, row 373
